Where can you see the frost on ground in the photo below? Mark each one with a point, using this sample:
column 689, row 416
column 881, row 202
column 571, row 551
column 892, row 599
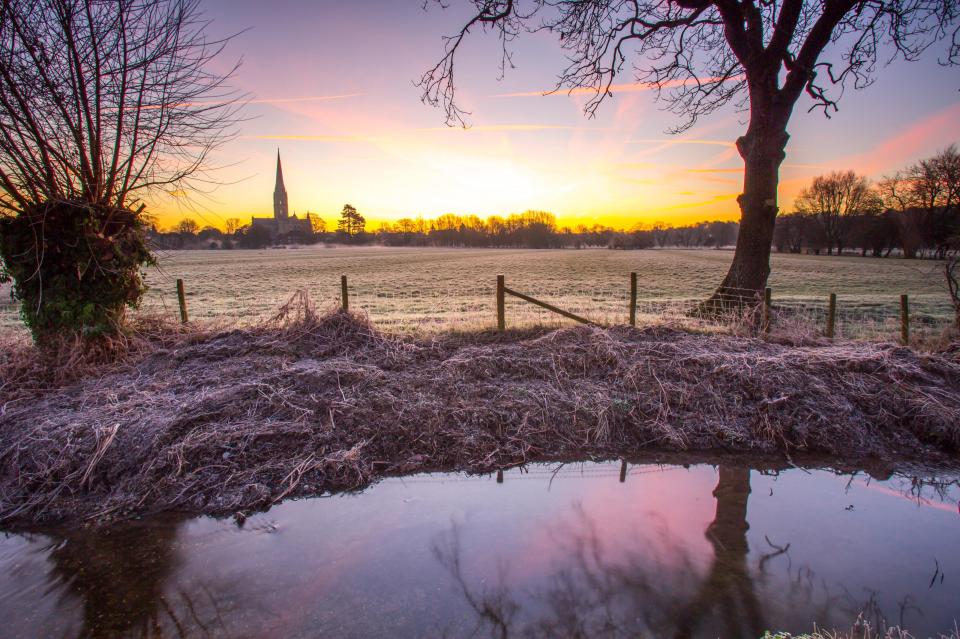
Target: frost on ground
column 235, row 420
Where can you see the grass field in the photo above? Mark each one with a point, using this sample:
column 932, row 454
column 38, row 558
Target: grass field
column 427, row 288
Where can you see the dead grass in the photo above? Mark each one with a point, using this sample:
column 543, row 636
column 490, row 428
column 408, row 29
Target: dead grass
column 26, row 371
column 220, row 421
column 861, row 629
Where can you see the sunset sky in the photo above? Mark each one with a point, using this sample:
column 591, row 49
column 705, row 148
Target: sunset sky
column 332, row 86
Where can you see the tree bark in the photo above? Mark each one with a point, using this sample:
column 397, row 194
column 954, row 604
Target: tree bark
column 762, row 149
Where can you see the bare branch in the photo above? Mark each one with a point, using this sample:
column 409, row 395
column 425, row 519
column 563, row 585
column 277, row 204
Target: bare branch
column 101, row 99
column 702, row 54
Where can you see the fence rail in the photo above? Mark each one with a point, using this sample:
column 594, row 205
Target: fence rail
column 476, row 305
column 503, row 291
column 771, row 315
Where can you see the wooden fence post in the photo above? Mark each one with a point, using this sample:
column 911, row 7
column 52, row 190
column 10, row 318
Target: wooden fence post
column 623, row 470
column 905, row 320
column 767, row 299
column 500, row 476
column 344, row 294
column 182, row 299
column 832, row 316
column 633, row 299
column 501, row 311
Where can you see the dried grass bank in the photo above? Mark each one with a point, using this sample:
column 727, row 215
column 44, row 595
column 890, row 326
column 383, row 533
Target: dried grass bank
column 233, row 420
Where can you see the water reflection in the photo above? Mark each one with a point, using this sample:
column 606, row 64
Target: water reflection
column 126, row 582
column 592, row 596
column 631, row 594
column 120, row 576
column 728, row 589
column 594, row 551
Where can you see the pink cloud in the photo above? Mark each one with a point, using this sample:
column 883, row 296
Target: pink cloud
column 618, row 88
column 308, row 98
column 927, row 133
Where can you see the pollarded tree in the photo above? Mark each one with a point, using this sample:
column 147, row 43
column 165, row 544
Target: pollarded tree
column 102, row 102
column 702, row 54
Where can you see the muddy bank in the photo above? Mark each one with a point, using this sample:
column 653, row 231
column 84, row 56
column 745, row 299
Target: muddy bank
column 238, row 420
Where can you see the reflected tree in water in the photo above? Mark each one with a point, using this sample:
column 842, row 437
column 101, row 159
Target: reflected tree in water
column 636, row 594
column 494, row 607
column 123, row 578
column 728, row 589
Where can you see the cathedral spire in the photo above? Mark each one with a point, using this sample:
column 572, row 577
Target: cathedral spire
column 280, row 210
column 279, row 173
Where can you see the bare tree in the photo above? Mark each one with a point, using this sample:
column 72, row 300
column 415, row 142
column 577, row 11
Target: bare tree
column 928, row 193
column 833, row 200
column 317, row 223
column 187, row 226
column 895, row 192
column 702, row 54
column 951, row 271
column 101, row 103
column 233, row 225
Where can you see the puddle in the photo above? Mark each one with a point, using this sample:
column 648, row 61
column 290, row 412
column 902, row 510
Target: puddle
column 670, row 551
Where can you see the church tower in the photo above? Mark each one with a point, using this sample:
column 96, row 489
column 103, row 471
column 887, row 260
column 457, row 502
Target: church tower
column 280, row 211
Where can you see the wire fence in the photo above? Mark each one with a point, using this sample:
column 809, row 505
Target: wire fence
column 414, row 308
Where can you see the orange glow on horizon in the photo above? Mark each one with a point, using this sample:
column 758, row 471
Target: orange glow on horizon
column 351, row 127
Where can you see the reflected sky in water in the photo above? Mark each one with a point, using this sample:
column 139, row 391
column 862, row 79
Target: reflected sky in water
column 671, row 551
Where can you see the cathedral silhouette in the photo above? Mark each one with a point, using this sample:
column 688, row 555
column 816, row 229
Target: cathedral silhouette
column 282, row 223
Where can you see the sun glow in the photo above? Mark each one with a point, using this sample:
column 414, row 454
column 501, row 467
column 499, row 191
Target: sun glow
column 351, row 129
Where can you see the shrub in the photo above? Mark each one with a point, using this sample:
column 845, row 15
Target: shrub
column 75, row 267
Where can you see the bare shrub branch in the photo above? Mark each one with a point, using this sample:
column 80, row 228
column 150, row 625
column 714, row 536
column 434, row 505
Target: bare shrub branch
column 103, row 101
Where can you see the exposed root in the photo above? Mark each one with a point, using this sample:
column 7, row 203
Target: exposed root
column 731, row 306
column 233, row 420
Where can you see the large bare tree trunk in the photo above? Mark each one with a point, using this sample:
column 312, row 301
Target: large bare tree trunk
column 762, row 149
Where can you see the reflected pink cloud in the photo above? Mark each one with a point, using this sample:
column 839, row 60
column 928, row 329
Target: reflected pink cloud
column 921, row 502
column 665, row 509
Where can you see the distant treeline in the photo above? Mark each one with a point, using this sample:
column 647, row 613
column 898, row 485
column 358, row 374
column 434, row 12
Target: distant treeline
column 539, row 229
column 532, row 229
column 913, row 213
column 910, row 234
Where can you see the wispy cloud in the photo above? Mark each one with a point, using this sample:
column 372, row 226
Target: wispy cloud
column 673, row 142
column 638, row 165
column 817, row 167
column 311, row 138
column 491, row 128
column 503, row 127
column 214, row 103
column 921, row 136
column 717, row 180
column 616, row 88
column 308, row 98
column 740, row 170
column 720, row 197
